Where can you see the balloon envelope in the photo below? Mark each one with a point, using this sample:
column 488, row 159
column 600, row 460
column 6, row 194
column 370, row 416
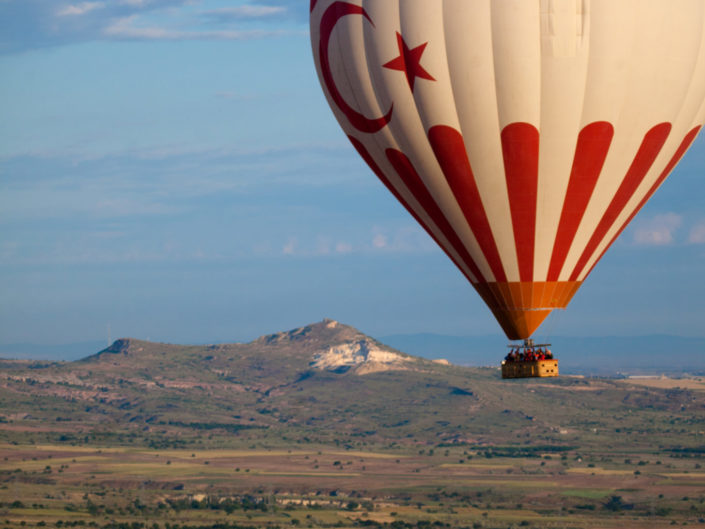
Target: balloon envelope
column 523, row 135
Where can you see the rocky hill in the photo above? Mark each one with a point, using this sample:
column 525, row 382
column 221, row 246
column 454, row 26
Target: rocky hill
column 272, row 359
column 323, row 383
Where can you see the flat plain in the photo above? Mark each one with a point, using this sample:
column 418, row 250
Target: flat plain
column 55, row 485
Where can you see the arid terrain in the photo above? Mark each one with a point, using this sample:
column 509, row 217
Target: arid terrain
column 323, row 426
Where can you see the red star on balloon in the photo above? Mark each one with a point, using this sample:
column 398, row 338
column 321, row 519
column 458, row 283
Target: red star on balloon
column 409, row 62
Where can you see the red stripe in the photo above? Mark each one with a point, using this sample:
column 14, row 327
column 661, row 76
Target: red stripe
column 449, row 148
column 520, row 147
column 406, row 171
column 644, row 159
column 313, row 5
column 457, row 245
column 685, row 144
column 590, row 153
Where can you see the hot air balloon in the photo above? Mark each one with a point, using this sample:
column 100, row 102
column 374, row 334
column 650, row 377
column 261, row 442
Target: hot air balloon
column 523, row 135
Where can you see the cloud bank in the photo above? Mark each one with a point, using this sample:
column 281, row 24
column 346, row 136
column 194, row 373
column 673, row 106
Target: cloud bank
column 668, row 229
column 659, row 230
column 697, row 233
column 33, row 24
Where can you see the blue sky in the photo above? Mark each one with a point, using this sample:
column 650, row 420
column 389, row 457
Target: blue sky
column 171, row 169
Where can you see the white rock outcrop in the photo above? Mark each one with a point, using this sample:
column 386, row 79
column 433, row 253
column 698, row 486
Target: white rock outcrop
column 363, row 355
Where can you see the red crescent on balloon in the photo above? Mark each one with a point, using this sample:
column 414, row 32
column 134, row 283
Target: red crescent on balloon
column 332, row 15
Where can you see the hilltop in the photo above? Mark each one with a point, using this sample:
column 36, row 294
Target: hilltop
column 276, row 358
column 322, row 383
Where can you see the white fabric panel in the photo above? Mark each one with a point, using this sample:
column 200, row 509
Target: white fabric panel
column 565, row 25
column 611, row 35
column 376, row 89
column 684, row 62
column 516, row 48
column 468, row 39
column 378, row 143
column 350, row 70
column 701, row 115
column 353, row 79
column 661, row 74
column 422, row 22
column 406, row 127
column 516, row 43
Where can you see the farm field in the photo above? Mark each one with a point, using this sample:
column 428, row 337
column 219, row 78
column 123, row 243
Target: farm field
column 455, row 486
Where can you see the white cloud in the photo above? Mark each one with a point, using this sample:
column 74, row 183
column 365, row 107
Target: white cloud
column 697, row 233
column 402, row 239
column 659, row 230
column 127, row 28
column 290, row 247
column 48, row 23
column 79, row 9
column 343, row 247
column 247, row 11
column 379, row 241
column 322, row 246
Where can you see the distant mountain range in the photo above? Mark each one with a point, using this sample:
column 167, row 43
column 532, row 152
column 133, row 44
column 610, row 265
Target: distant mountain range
column 62, row 352
column 597, row 355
